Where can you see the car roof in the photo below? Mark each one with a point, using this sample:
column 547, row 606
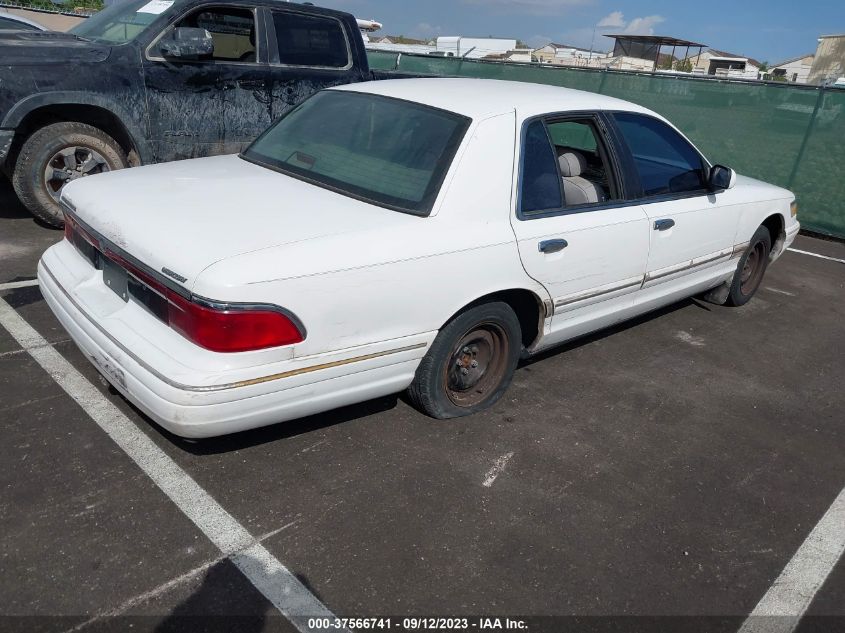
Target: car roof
column 480, row 98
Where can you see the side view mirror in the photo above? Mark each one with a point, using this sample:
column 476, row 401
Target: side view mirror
column 187, row 43
column 721, row 178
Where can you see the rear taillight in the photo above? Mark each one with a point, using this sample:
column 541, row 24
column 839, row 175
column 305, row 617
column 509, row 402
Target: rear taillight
column 215, row 326
column 230, row 330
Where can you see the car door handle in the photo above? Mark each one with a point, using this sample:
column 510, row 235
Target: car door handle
column 662, row 225
column 552, row 246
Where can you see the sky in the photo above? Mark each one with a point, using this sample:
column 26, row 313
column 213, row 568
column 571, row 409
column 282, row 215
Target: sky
column 767, row 31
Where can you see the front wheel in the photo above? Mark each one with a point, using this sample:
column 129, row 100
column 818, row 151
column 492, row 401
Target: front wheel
column 470, row 363
column 751, row 268
column 57, row 154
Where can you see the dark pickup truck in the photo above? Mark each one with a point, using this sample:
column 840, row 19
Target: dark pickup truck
column 147, row 81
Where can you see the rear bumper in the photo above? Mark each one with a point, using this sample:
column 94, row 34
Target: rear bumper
column 210, row 406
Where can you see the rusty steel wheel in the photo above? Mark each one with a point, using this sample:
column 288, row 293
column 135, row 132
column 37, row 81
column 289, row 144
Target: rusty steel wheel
column 470, row 363
column 752, row 272
column 477, row 365
column 751, row 268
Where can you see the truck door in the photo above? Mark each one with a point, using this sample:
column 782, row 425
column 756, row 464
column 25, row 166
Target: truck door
column 308, row 52
column 213, row 105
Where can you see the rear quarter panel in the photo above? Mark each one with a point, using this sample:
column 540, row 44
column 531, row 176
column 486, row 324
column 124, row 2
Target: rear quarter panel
column 381, row 284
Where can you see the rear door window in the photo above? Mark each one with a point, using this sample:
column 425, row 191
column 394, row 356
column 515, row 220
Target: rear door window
column 541, row 185
column 310, row 40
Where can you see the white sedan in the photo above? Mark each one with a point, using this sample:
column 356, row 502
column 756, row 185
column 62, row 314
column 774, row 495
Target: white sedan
column 419, row 234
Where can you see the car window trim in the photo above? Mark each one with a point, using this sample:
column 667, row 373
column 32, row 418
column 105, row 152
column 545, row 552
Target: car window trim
column 605, row 144
column 273, row 42
column 150, row 56
column 629, row 155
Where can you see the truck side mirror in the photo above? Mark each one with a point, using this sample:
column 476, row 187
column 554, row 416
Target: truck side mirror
column 721, row 178
column 187, row 43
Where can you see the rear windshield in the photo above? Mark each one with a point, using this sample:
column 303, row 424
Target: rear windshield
column 386, row 151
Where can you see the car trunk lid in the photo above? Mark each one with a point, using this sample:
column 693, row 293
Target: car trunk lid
column 180, row 218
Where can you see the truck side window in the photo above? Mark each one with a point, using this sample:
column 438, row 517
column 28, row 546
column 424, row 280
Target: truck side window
column 310, row 40
column 233, row 32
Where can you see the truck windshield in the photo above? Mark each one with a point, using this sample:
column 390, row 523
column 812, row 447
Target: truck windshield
column 121, row 22
column 385, row 151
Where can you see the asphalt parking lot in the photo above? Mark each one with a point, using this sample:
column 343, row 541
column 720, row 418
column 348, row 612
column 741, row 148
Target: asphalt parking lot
column 672, row 467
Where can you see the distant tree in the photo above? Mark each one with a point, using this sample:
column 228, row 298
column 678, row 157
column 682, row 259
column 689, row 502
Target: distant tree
column 764, row 67
column 683, row 65
column 665, row 63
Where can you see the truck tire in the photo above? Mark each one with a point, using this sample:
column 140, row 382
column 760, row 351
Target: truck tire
column 56, row 154
column 470, row 363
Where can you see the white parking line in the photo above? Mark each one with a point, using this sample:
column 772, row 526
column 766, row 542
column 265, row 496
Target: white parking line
column 282, row 588
column 496, row 470
column 11, row 285
column 833, row 259
column 786, row 601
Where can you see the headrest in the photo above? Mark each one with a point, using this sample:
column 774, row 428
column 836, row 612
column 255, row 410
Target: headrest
column 571, row 164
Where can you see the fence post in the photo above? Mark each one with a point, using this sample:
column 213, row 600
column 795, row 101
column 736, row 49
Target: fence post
column 807, row 134
column 603, row 77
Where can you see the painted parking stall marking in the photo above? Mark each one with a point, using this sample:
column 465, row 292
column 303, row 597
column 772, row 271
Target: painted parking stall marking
column 833, row 259
column 780, row 610
column 13, row 285
column 264, row 571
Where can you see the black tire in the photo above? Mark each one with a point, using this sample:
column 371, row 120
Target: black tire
column 441, row 387
column 42, row 148
column 751, row 268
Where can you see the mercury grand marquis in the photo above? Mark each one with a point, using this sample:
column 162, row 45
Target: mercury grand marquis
column 419, row 234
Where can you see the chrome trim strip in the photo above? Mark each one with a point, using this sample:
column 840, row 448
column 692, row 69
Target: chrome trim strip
column 231, row 385
column 589, row 294
column 692, row 264
column 739, row 250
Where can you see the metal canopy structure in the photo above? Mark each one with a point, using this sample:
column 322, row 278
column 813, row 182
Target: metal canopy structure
column 648, row 46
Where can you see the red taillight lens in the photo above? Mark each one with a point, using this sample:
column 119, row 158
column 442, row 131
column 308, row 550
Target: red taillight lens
column 220, row 330
column 230, row 330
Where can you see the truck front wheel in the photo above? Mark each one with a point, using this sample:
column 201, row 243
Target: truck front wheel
column 56, row 154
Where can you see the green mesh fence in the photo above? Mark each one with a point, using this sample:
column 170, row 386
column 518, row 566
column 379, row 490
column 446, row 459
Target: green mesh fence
column 784, row 134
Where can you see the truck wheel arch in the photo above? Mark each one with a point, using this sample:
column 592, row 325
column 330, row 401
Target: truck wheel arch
column 38, row 110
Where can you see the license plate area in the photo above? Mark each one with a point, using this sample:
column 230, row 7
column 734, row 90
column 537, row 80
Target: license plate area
column 116, row 278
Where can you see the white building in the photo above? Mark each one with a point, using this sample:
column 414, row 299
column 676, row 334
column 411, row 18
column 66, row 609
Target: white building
column 722, row 64
column 795, row 70
column 565, row 55
column 473, row 47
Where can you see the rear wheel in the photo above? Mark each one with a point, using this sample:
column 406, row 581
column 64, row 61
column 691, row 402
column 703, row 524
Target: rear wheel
column 751, row 268
column 470, row 364
column 57, row 154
